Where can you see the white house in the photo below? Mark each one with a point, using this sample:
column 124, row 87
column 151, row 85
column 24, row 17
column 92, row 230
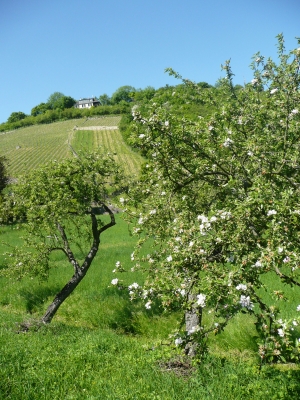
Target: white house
column 87, row 103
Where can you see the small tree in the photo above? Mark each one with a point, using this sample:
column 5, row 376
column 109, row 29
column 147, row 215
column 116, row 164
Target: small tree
column 220, row 197
column 16, row 116
column 61, row 205
column 124, row 93
column 3, row 173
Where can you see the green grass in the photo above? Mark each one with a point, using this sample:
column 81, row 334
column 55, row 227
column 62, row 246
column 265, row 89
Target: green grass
column 99, row 344
column 110, row 141
column 102, row 346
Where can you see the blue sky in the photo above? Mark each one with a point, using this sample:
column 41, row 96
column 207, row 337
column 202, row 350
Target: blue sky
column 87, row 48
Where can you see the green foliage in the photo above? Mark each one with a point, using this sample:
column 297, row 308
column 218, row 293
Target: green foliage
column 220, row 195
column 54, row 99
column 124, row 93
column 104, row 99
column 16, row 116
column 40, row 109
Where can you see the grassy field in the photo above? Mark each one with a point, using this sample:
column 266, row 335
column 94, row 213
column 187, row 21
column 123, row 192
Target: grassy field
column 27, row 148
column 102, row 346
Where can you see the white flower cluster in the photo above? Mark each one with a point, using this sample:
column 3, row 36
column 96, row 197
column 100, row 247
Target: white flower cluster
column 273, row 91
column 178, row 341
column 228, row 142
column 225, row 214
column 205, row 223
column 246, row 302
column 241, row 286
column 293, row 113
column 201, row 300
column 271, row 212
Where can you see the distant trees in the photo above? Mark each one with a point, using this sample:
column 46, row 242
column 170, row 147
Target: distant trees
column 124, row 93
column 16, row 116
column 54, row 100
column 104, row 99
column 39, row 109
column 58, row 100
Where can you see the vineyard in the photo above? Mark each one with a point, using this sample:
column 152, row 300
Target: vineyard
column 30, row 147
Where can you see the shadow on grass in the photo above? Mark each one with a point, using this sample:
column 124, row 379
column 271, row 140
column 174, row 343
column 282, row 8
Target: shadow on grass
column 126, row 315
column 34, row 299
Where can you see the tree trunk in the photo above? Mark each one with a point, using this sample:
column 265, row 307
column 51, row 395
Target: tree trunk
column 80, row 272
column 191, row 320
column 61, row 297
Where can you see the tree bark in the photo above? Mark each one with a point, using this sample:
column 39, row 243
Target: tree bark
column 191, row 320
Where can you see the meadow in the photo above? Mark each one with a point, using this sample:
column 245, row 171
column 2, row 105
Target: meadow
column 100, row 345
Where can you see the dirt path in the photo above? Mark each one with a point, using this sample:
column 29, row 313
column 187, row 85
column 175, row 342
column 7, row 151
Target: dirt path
column 95, row 128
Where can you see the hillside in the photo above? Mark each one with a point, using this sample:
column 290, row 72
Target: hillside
column 29, row 147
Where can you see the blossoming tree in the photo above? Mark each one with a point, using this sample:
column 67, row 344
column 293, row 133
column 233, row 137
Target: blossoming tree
column 220, row 196
column 61, row 206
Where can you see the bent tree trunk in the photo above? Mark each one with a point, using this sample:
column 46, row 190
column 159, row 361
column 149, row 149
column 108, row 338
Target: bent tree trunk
column 80, row 271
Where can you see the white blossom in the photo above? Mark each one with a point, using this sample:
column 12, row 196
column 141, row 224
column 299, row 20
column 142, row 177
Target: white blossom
column 122, row 200
column 178, row 341
column 271, row 212
column 148, row 305
column 152, row 212
column 118, row 264
column 201, row 300
column 115, row 281
column 169, row 258
column 298, row 308
column 241, row 286
column 228, row 142
column 280, row 332
column 133, row 286
column 255, row 80
column 142, row 136
column 280, row 249
column 273, row 91
column 226, row 215
column 258, row 264
column 246, row 302
column 295, row 111
column 286, row 259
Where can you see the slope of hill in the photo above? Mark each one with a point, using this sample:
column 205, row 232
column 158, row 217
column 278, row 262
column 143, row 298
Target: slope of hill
column 27, row 148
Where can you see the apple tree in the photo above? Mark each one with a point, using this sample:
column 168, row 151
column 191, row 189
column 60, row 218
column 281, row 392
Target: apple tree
column 220, row 198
